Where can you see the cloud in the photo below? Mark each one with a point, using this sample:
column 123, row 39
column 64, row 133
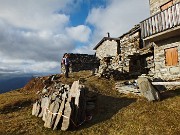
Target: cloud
column 33, row 35
column 117, row 17
column 80, row 33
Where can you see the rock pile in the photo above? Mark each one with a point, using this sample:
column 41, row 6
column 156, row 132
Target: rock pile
column 63, row 106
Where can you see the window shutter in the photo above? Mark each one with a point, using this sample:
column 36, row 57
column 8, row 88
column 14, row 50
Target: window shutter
column 171, row 57
column 168, row 57
column 174, row 56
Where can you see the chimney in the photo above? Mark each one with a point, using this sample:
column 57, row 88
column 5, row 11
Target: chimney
column 108, row 34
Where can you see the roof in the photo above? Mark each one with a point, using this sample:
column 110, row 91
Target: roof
column 104, row 39
column 132, row 31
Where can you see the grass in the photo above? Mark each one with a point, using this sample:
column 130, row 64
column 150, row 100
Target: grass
column 115, row 114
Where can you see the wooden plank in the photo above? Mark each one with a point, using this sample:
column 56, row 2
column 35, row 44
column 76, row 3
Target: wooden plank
column 173, row 15
column 166, row 83
column 145, row 31
column 153, row 25
column 166, row 19
column 150, row 26
column 163, row 21
column 174, row 56
column 170, row 17
column 159, row 22
column 142, row 30
column 147, row 27
column 156, row 24
column 178, row 13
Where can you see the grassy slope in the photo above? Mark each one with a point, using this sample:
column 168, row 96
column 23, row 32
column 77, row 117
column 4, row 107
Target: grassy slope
column 115, row 114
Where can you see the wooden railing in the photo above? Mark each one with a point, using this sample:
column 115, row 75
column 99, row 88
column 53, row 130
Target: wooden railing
column 162, row 21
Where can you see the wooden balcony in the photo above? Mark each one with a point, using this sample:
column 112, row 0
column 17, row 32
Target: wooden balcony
column 162, row 21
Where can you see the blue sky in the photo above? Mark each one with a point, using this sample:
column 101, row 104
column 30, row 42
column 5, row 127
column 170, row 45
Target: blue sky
column 34, row 34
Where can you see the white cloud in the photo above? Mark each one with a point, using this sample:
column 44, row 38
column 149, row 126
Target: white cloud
column 80, row 33
column 118, row 16
column 34, row 34
column 32, row 37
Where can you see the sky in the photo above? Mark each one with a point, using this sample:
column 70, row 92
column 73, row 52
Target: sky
column 34, row 34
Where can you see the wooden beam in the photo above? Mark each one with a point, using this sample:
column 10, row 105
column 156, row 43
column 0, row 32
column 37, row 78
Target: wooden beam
column 166, row 83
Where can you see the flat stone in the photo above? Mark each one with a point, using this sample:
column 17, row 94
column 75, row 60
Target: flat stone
column 174, row 70
column 147, row 89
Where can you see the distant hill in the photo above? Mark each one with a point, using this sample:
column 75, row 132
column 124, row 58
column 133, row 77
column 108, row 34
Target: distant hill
column 13, row 83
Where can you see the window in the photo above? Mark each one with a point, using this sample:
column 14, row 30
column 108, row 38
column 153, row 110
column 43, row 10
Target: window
column 171, row 56
column 166, row 5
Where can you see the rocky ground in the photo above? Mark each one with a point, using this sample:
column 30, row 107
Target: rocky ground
column 115, row 113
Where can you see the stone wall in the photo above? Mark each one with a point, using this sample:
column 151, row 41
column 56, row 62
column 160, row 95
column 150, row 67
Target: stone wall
column 155, row 5
column 161, row 70
column 81, row 62
column 108, row 48
column 130, row 45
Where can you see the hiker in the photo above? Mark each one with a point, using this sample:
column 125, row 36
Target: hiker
column 66, row 63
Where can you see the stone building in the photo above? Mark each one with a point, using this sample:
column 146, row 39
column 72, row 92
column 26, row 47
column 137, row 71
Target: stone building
column 121, row 56
column 162, row 31
column 130, row 44
column 81, row 62
column 107, row 47
column 107, row 50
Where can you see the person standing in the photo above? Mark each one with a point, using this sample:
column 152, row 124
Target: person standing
column 66, row 64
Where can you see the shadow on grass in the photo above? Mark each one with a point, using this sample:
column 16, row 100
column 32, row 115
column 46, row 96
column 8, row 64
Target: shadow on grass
column 170, row 94
column 106, row 107
column 15, row 106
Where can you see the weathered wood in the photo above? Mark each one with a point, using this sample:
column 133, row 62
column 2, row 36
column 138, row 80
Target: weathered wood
column 162, row 21
column 166, row 83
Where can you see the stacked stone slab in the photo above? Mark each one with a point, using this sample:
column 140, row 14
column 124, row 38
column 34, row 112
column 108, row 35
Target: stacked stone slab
column 61, row 106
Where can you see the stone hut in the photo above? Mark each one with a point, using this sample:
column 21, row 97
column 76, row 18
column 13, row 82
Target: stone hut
column 122, row 55
column 107, row 47
column 81, row 62
column 106, row 50
column 162, row 31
